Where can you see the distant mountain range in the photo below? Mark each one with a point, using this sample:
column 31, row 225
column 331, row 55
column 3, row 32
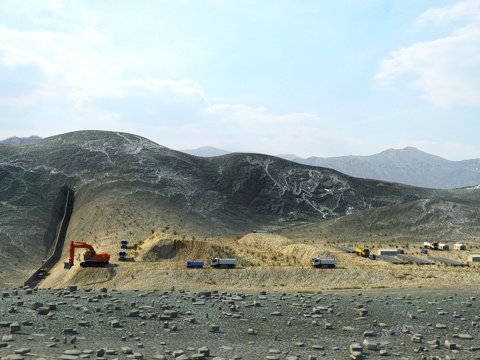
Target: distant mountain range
column 406, row 166
column 206, row 151
column 20, row 140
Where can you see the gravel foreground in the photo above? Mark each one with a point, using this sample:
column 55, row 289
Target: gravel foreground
column 76, row 323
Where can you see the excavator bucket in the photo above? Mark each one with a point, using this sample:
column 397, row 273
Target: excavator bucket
column 67, row 265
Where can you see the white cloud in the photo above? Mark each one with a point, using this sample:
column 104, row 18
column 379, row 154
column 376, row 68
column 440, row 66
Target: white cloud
column 66, row 70
column 458, row 11
column 445, row 70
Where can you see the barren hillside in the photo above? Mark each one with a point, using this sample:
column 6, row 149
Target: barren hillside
column 174, row 206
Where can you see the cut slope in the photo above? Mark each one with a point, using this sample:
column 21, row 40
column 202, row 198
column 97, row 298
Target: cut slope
column 280, row 245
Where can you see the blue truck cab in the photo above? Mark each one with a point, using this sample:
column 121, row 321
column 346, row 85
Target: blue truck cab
column 195, row 264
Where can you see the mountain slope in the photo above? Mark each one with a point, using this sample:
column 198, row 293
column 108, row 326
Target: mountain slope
column 20, row 140
column 407, row 166
column 127, row 187
column 206, row 151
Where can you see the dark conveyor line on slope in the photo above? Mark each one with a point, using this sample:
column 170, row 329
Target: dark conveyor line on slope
column 59, row 236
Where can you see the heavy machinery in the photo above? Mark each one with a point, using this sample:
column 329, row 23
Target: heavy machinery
column 91, row 258
column 122, row 255
column 43, row 272
column 364, row 252
column 324, row 263
column 430, row 245
column 218, row 263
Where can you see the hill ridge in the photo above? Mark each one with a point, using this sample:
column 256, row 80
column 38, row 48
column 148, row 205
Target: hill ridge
column 128, row 187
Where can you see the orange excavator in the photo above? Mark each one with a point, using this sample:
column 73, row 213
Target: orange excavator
column 91, row 258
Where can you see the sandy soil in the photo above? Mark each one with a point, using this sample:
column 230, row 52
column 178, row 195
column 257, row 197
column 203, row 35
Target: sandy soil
column 266, row 262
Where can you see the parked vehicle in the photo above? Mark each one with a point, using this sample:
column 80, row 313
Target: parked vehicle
column 360, row 251
column 227, row 263
column 123, row 244
column 324, row 263
column 423, row 251
column 372, row 257
column 43, row 272
column 195, row 264
column 122, row 255
column 430, row 245
column 400, row 251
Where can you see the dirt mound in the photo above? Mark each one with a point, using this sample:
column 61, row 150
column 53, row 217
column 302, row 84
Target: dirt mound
column 164, row 247
column 283, row 246
column 306, row 252
column 265, row 241
column 88, row 276
column 156, row 248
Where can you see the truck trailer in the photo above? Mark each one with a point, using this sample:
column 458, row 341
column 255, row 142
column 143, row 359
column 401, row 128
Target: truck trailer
column 225, row 263
column 195, row 264
column 324, row 263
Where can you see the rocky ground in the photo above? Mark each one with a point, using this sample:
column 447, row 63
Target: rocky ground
column 71, row 323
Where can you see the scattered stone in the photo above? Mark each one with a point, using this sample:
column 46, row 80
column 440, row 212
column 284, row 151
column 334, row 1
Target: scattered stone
column 213, row 328
column 15, row 327
column 450, row 345
column 356, row 355
column 23, row 351
column 73, row 352
column 204, row 351
column 355, row 347
column 362, row 312
column 35, row 305
column 43, row 310
column 416, row 338
column 369, row 345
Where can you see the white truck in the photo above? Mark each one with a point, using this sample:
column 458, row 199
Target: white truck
column 227, row 263
column 430, row 245
column 324, row 263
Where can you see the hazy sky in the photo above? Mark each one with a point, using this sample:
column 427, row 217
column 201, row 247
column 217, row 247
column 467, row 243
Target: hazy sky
column 309, row 77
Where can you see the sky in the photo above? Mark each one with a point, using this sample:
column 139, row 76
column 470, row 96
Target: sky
column 309, row 77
